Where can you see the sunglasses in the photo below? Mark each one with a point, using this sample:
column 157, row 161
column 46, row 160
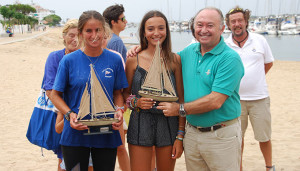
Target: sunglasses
column 235, row 9
column 123, row 19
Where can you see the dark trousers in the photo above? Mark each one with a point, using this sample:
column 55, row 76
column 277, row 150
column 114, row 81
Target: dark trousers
column 104, row 159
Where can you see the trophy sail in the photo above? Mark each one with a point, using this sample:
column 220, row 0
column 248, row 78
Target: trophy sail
column 96, row 103
column 158, row 80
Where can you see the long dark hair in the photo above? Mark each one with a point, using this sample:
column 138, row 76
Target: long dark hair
column 166, row 44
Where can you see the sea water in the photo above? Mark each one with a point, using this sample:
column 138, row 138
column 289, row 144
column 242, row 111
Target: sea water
column 284, row 47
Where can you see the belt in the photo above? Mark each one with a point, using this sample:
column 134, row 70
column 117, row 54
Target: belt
column 215, row 127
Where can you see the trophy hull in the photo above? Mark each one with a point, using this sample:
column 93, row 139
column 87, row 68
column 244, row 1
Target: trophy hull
column 158, row 97
column 98, row 122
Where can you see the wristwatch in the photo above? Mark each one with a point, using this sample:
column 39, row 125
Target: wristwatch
column 67, row 115
column 182, row 112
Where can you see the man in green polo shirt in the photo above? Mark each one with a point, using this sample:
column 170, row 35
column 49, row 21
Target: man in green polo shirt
column 211, row 74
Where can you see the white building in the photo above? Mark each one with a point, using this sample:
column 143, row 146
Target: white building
column 41, row 13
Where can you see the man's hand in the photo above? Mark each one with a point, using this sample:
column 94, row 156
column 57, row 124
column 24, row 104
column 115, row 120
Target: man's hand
column 133, row 51
column 169, row 109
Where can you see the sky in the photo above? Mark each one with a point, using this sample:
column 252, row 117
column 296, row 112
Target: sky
column 177, row 10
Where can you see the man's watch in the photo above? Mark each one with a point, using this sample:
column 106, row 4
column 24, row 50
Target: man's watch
column 182, row 112
column 67, row 115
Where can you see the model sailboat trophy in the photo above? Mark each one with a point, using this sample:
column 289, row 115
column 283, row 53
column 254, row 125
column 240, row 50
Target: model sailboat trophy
column 157, row 84
column 95, row 102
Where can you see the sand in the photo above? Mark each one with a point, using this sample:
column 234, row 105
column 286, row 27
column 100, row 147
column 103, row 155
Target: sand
column 22, row 67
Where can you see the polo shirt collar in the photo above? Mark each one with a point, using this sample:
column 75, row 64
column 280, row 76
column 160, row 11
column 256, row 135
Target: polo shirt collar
column 216, row 50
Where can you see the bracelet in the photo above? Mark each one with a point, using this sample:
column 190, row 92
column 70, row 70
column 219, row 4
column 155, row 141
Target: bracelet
column 120, row 108
column 129, row 101
column 180, row 132
column 180, row 139
column 181, row 126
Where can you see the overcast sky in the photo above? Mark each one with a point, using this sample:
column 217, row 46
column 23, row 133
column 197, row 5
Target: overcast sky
column 173, row 9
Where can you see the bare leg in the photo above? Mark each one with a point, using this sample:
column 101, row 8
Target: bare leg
column 90, row 168
column 140, row 157
column 164, row 158
column 153, row 159
column 266, row 149
column 58, row 168
column 122, row 154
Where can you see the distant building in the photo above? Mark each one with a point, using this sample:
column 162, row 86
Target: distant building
column 41, row 13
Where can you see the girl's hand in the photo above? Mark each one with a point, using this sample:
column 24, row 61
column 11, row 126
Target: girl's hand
column 119, row 116
column 145, row 103
column 75, row 124
column 177, row 149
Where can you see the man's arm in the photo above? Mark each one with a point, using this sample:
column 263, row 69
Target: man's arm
column 210, row 102
column 207, row 103
column 268, row 66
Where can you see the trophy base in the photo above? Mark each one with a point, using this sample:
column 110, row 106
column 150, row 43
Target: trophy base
column 95, row 130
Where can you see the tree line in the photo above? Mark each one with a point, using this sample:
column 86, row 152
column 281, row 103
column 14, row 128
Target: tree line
column 18, row 14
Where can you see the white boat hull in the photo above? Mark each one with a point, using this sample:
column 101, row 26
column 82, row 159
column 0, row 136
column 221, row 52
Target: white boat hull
column 156, row 97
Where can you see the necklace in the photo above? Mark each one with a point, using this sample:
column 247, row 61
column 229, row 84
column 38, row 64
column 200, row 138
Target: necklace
column 239, row 42
column 93, row 63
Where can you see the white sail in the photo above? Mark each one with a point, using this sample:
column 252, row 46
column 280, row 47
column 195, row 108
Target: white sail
column 167, row 82
column 84, row 108
column 157, row 80
column 100, row 102
column 153, row 78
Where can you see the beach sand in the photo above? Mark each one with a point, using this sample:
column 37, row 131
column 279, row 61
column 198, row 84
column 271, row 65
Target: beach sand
column 22, row 68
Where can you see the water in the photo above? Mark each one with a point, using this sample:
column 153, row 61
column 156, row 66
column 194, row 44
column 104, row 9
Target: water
column 284, row 47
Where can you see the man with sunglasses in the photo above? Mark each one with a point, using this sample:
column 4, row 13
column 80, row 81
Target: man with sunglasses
column 114, row 16
column 258, row 60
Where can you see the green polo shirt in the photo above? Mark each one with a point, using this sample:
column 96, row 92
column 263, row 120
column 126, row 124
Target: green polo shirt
column 219, row 70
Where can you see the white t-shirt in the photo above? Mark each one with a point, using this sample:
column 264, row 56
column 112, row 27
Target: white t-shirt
column 255, row 54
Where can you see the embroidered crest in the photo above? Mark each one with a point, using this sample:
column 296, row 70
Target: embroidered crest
column 107, row 72
column 207, row 72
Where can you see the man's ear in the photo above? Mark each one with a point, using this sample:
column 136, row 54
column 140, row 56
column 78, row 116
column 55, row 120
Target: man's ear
column 113, row 22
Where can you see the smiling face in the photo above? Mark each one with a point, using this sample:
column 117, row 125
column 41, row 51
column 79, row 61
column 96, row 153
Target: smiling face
column 92, row 33
column 155, row 30
column 237, row 24
column 71, row 39
column 208, row 28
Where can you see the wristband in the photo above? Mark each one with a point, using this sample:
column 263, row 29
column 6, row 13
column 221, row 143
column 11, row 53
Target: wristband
column 120, row 108
column 67, row 115
column 180, row 139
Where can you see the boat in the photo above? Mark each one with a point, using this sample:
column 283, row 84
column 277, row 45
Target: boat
column 95, row 103
column 157, row 84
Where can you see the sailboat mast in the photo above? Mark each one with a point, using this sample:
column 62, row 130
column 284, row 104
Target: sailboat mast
column 160, row 70
column 92, row 93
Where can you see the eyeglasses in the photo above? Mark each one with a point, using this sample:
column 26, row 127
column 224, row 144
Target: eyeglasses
column 123, row 19
column 235, row 9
